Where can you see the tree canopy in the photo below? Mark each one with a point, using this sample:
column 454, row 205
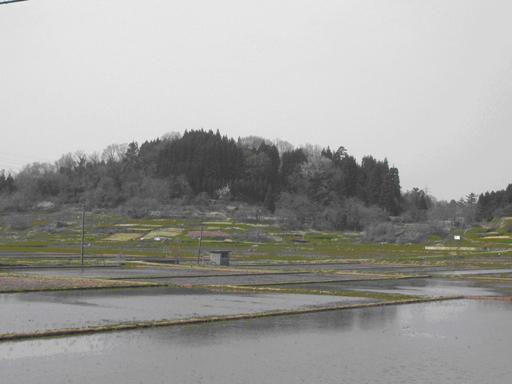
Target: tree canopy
column 252, row 170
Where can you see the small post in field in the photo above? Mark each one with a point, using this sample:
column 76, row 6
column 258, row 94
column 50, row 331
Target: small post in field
column 200, row 243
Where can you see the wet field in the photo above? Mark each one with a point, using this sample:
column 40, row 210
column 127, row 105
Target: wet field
column 456, row 342
column 129, row 273
column 202, row 276
column 255, row 280
column 43, row 311
column 375, row 268
column 416, row 287
column 477, row 272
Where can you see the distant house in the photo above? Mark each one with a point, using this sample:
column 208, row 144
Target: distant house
column 219, row 257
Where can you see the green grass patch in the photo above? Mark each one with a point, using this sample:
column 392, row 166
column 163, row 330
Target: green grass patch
column 122, row 237
column 165, row 232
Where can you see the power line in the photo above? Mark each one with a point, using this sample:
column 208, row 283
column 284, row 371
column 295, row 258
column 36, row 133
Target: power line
column 10, row 1
column 11, row 162
column 10, row 158
column 17, row 154
column 10, row 167
column 82, row 236
column 23, row 158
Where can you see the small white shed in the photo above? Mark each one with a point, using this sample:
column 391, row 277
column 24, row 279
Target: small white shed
column 219, row 257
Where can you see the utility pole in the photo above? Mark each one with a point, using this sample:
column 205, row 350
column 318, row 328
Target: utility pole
column 82, row 237
column 200, row 243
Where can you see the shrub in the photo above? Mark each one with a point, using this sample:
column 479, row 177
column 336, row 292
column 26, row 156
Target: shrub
column 138, row 207
column 403, row 233
column 295, row 211
column 18, row 222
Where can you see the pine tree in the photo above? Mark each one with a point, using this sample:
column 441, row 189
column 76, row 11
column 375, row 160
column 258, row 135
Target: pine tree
column 269, row 202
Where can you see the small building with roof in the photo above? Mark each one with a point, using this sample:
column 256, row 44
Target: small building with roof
column 219, row 257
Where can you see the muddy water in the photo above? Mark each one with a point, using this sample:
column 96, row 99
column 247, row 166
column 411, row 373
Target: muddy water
column 28, row 312
column 457, row 342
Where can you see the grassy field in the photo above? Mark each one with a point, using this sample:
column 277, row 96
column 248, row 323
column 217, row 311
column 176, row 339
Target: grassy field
column 109, row 235
column 266, row 260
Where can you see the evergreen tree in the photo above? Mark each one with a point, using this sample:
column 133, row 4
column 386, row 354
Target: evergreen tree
column 203, row 162
column 269, row 203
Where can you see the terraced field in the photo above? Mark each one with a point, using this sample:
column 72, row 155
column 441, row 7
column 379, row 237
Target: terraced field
column 272, row 272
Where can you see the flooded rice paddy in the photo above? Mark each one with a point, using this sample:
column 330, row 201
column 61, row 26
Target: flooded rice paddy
column 387, row 268
column 192, row 276
column 43, row 311
column 116, row 272
column 477, row 272
column 456, row 342
column 415, row 287
column 260, row 279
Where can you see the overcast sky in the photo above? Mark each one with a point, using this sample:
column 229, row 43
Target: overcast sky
column 427, row 84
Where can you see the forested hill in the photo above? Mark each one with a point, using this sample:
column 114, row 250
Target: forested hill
column 495, row 204
column 251, row 169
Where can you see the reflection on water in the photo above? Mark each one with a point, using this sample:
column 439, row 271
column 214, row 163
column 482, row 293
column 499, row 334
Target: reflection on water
column 26, row 312
column 446, row 342
column 417, row 286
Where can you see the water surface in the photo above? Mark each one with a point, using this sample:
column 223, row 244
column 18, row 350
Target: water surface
column 28, row 312
column 457, row 342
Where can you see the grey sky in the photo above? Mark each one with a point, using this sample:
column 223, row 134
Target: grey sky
column 426, row 83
